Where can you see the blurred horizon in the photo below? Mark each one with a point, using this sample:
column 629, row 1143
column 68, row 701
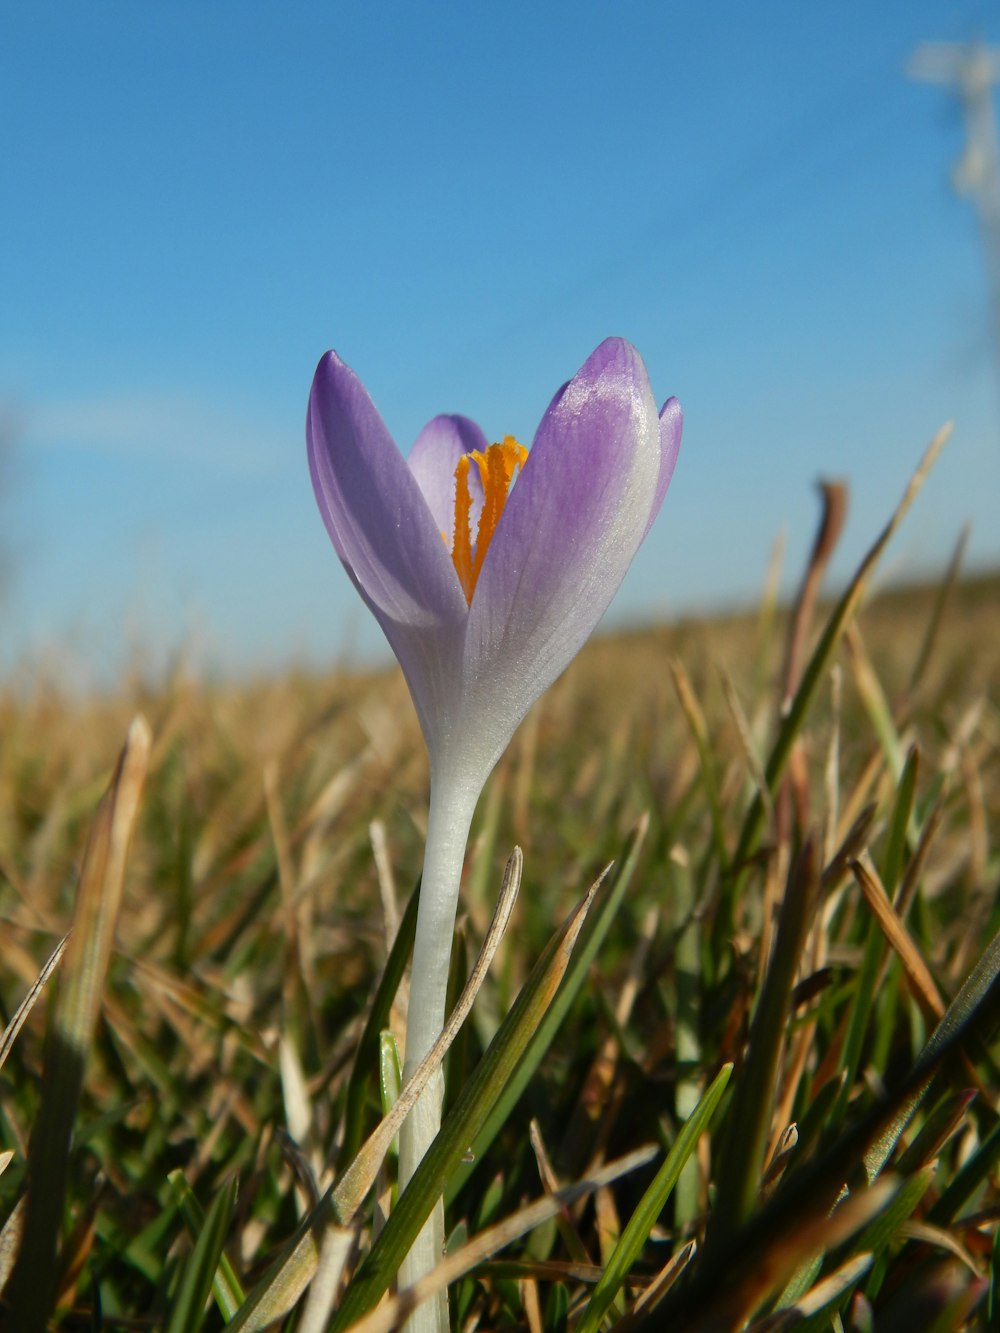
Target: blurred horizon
column 465, row 202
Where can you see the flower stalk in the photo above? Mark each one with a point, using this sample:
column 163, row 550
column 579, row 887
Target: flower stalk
column 449, row 819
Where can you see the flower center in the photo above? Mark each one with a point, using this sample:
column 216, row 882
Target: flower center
column 497, row 466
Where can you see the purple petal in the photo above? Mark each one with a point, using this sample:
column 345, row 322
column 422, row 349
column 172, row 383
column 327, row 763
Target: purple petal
column 373, row 508
column 433, row 460
column 574, row 520
column 671, row 426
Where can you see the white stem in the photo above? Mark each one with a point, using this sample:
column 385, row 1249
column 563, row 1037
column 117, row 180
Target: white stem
column 448, row 822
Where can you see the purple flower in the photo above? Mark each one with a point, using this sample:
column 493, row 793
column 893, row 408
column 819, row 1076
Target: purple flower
column 487, row 567
column 486, row 589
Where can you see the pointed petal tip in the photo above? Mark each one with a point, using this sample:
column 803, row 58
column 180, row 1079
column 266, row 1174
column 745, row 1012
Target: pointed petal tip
column 671, row 429
column 330, row 369
column 671, row 424
column 615, row 351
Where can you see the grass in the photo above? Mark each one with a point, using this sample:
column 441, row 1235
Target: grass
column 750, row 1082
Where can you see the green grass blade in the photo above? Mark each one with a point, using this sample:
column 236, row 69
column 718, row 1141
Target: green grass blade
column 366, row 1057
column 639, row 1225
column 462, row 1124
column 877, row 1235
column 229, row 1294
column 200, row 1270
column 591, row 938
column 968, row 1179
column 749, row 1118
column 874, row 950
column 965, row 1009
column 390, row 1078
column 899, row 824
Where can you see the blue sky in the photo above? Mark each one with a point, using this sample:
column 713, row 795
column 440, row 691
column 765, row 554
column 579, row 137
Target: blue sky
column 464, row 199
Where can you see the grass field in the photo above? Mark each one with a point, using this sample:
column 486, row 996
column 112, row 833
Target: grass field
column 792, row 956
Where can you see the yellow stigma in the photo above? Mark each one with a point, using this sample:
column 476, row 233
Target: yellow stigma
column 497, row 466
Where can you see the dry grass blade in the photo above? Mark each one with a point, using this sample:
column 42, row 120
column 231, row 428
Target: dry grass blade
column 28, row 1003
column 660, row 1284
column 71, row 1026
column 359, row 1177
column 932, row 1235
column 945, row 590
column 743, row 730
column 699, row 730
column 334, row 1253
column 899, row 938
column 745, row 1290
column 10, row 1240
column 822, row 1294
column 391, row 1313
column 795, row 789
column 833, row 495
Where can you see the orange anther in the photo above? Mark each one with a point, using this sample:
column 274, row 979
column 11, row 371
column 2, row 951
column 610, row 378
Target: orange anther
column 497, row 466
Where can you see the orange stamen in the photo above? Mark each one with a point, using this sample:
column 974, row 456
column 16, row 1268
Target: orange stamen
column 497, row 466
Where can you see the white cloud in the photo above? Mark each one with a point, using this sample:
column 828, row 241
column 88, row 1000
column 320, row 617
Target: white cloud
column 178, row 428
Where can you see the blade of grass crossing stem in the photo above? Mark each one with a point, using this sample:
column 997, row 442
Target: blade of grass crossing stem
column 462, row 1124
column 591, row 939
column 639, row 1225
column 200, row 1271
column 72, row 1019
column 367, row 1055
column 749, row 1117
column 823, row 653
column 871, row 961
column 357, row 1180
column 229, row 1295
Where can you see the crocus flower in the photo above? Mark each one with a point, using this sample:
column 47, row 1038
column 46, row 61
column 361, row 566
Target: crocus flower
column 487, row 567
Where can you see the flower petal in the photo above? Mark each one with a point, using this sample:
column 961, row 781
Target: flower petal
column 671, row 427
column 433, row 460
column 373, row 507
column 573, row 522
